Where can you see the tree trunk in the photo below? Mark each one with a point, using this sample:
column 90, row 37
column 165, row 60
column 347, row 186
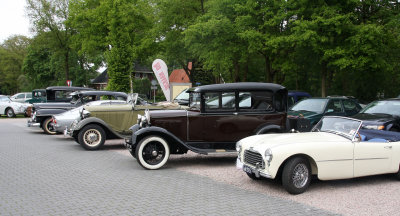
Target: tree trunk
column 323, row 80
column 268, row 77
column 67, row 64
column 237, row 70
column 246, row 71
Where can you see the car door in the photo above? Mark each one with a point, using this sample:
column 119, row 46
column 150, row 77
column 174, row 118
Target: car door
column 372, row 157
column 219, row 117
column 4, row 101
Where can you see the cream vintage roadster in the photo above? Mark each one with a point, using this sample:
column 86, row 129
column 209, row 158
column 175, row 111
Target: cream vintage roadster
column 336, row 148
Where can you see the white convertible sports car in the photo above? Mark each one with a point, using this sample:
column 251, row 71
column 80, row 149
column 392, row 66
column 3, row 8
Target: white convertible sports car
column 11, row 108
column 335, row 149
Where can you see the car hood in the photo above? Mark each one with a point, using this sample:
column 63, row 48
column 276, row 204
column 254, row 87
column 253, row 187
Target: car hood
column 167, row 113
column 306, row 114
column 368, row 118
column 261, row 143
column 53, row 105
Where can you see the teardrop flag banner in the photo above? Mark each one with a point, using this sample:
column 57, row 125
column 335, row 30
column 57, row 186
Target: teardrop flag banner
column 161, row 71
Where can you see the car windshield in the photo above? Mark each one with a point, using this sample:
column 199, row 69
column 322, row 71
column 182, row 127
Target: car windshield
column 183, row 95
column 312, row 105
column 194, row 99
column 75, row 99
column 386, row 107
column 346, row 127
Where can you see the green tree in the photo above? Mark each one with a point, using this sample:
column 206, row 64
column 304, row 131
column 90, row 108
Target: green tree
column 50, row 16
column 114, row 31
column 173, row 17
column 214, row 40
column 12, row 54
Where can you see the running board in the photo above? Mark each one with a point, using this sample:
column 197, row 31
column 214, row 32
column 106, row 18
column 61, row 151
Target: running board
column 213, row 151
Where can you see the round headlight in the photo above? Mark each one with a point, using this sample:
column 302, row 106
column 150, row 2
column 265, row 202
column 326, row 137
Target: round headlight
column 268, row 155
column 85, row 114
column 238, row 146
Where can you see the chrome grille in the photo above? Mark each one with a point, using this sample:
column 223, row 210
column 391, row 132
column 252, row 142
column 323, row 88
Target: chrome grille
column 253, row 158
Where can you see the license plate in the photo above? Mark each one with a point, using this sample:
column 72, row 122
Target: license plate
column 247, row 169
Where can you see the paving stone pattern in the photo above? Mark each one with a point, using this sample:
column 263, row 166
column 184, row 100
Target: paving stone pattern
column 52, row 175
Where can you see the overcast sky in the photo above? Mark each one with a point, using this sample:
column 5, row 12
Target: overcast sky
column 13, row 19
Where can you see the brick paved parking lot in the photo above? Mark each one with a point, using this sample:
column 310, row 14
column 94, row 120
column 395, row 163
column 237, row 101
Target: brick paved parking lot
column 53, row 175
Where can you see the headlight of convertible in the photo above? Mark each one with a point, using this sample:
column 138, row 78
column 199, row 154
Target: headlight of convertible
column 268, row 156
column 239, row 149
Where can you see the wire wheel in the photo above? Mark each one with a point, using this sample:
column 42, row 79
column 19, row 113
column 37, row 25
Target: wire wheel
column 300, row 175
column 296, row 175
column 92, row 137
column 152, row 152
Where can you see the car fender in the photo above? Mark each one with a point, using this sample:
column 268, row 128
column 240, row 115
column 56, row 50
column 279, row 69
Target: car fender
column 265, row 128
column 141, row 133
column 49, row 112
column 98, row 121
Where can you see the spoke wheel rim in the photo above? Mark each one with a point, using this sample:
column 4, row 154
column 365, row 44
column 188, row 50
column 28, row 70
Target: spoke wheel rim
column 153, row 153
column 300, row 175
column 92, row 137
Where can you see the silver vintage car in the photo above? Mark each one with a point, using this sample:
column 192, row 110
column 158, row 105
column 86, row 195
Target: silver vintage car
column 63, row 121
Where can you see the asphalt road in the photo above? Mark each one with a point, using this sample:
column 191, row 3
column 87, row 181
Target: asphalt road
column 52, row 175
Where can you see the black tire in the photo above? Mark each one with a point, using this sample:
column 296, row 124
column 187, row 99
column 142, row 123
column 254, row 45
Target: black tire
column 76, row 138
column 10, row 113
column 152, row 152
column 296, row 175
column 398, row 174
column 47, row 127
column 133, row 153
column 253, row 176
column 92, row 137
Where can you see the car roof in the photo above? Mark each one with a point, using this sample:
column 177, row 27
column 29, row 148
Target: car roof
column 241, row 86
column 298, row 93
column 74, row 88
column 123, row 94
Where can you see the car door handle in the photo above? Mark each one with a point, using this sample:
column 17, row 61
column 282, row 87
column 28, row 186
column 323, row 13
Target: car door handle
column 388, row 147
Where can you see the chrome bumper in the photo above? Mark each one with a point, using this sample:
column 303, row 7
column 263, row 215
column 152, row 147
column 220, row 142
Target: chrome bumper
column 30, row 123
column 252, row 170
column 67, row 132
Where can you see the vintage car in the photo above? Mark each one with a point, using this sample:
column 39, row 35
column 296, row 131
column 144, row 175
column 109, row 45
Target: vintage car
column 381, row 115
column 313, row 109
column 53, row 94
column 42, row 112
column 100, row 123
column 11, row 108
column 335, row 149
column 219, row 115
column 62, row 121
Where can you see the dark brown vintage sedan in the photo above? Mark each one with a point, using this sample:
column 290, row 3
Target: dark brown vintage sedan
column 218, row 116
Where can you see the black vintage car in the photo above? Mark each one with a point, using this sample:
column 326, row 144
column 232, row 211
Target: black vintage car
column 381, row 115
column 42, row 112
column 219, row 115
column 53, row 94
